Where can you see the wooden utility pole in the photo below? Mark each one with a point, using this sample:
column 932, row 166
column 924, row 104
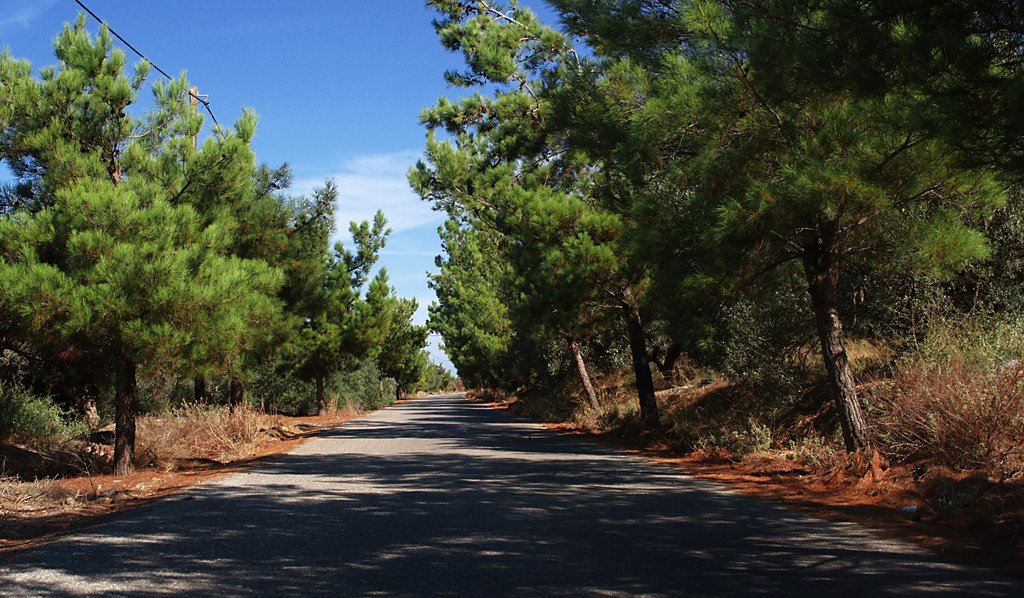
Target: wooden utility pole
column 193, row 96
column 199, row 383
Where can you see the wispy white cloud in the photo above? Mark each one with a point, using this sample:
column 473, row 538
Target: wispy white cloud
column 21, row 14
column 375, row 182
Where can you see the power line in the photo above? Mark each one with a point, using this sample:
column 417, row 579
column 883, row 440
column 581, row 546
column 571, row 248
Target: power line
column 204, row 102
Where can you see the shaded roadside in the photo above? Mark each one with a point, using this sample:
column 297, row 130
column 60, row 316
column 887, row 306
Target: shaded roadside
column 858, row 493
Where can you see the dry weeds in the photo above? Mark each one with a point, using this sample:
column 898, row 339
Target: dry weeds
column 201, row 432
column 956, row 415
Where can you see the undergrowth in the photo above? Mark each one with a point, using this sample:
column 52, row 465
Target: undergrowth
column 33, row 419
column 955, row 414
column 197, row 431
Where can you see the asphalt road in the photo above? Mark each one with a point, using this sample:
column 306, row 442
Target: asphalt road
column 441, row 496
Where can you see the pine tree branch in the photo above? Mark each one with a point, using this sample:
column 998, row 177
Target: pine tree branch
column 907, row 144
column 744, row 75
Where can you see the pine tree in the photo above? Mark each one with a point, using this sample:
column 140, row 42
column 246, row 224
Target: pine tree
column 471, row 312
column 956, row 61
column 509, row 169
column 102, row 256
column 401, row 356
column 777, row 169
column 338, row 326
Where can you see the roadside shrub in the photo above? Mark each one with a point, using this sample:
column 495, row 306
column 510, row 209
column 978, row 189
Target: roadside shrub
column 389, row 390
column 621, row 416
column 364, row 388
column 195, row 431
column 958, row 414
column 986, row 341
column 277, row 390
column 754, row 438
column 32, row 419
column 816, row 452
column 767, row 343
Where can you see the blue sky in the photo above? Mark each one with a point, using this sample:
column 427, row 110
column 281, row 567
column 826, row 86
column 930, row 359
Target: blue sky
column 338, row 86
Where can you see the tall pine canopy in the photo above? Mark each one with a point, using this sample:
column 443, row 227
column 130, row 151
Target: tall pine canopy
column 696, row 155
column 119, row 236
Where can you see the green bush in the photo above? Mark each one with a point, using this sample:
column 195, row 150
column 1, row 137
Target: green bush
column 364, row 388
column 278, row 390
column 987, row 341
column 816, row 452
column 766, row 342
column 754, row 438
column 28, row 418
column 389, row 391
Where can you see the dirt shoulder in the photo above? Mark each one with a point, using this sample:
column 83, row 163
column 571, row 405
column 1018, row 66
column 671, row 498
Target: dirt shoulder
column 33, row 513
column 889, row 499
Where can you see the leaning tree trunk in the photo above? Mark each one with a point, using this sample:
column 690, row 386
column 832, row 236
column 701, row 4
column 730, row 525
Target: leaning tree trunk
column 321, row 400
column 822, row 270
column 125, row 409
column 581, row 370
column 641, row 367
column 667, row 367
column 237, row 394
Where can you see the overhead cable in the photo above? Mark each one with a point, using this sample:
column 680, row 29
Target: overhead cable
column 201, row 100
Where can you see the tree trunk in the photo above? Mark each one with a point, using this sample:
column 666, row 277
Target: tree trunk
column 641, row 367
column 321, row 400
column 237, row 394
column 125, row 408
column 399, row 395
column 667, row 366
column 822, row 271
column 581, row 370
column 199, row 389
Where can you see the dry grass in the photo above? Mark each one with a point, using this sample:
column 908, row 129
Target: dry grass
column 200, row 432
column 18, row 497
column 956, row 415
column 868, row 355
column 348, row 411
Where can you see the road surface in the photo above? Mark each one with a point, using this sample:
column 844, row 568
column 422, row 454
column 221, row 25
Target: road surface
column 442, row 496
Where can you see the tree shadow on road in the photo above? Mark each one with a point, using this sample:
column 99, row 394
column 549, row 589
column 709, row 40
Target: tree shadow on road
column 459, row 500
